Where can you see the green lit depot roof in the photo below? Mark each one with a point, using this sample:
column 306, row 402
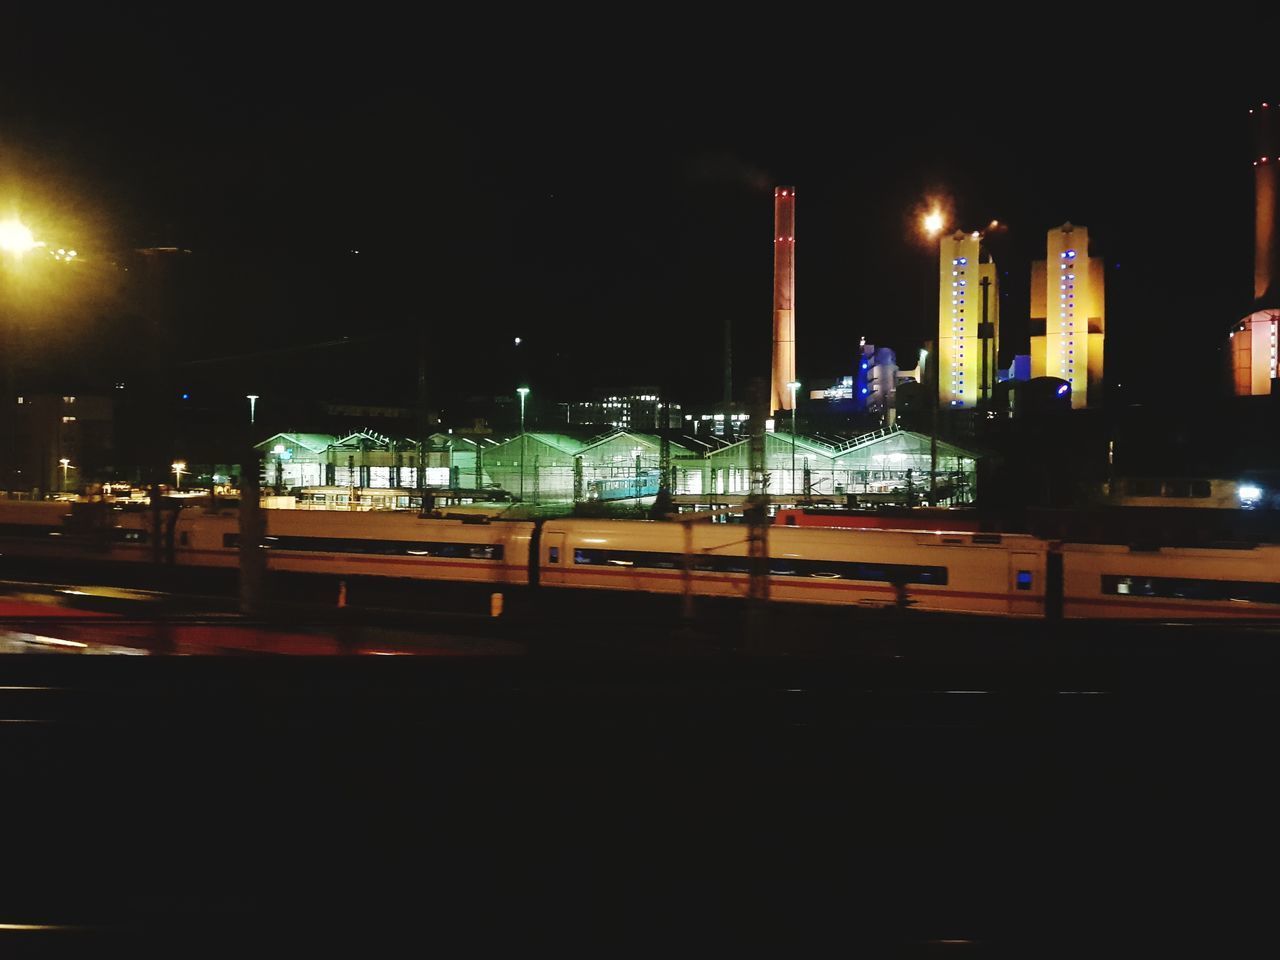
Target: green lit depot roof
column 645, row 439
column 314, row 442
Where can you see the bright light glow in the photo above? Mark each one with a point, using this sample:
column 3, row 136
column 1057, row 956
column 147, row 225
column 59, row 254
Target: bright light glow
column 933, row 222
column 16, row 237
column 49, row 641
column 278, row 449
column 1249, row 492
column 523, row 391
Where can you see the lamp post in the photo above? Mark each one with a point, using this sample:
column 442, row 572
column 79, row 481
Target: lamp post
column 64, row 463
column 524, row 392
column 793, row 386
column 253, row 404
column 15, row 239
column 932, row 224
column 179, row 468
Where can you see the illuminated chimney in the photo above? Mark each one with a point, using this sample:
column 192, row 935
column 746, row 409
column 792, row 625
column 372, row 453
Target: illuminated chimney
column 784, row 296
column 1266, row 248
column 1254, row 339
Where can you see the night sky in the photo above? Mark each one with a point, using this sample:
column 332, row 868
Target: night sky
column 604, row 192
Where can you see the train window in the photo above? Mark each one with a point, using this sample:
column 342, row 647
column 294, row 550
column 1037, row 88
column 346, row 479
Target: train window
column 412, row 548
column 26, row 530
column 1184, row 588
column 553, row 554
column 1024, row 579
column 778, row 566
column 184, row 539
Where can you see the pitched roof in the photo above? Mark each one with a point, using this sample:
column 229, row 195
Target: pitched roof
column 646, row 439
column 314, row 442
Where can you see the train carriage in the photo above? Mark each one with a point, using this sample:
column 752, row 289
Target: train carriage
column 960, row 571
column 956, row 572
column 367, row 544
column 1110, row 581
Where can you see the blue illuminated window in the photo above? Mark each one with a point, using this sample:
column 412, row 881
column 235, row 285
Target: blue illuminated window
column 1024, row 579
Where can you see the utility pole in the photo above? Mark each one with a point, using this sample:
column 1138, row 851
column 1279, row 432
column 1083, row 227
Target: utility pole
column 424, row 426
column 986, row 332
column 253, row 528
column 757, row 512
column 931, row 395
column 728, row 363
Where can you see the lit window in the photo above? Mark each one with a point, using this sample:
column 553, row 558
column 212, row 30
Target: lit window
column 68, row 419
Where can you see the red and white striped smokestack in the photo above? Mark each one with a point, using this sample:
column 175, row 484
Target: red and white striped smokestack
column 784, row 296
column 1266, row 245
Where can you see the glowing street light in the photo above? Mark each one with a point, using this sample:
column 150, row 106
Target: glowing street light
column 524, row 392
column 253, row 402
column 179, row 468
column 16, row 238
column 65, row 463
column 933, row 223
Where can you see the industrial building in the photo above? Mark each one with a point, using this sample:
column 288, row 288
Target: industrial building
column 885, row 465
column 1253, row 339
column 968, row 321
column 556, row 468
column 873, row 386
column 314, row 462
column 58, row 441
column 642, row 410
column 1068, row 315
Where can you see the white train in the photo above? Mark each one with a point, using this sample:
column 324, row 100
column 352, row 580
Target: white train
column 992, row 574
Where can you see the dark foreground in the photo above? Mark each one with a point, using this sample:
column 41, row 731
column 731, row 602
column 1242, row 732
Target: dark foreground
column 679, row 804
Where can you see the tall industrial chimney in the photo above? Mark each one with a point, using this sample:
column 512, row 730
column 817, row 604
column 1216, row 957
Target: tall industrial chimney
column 1266, row 249
column 1254, row 338
column 784, row 296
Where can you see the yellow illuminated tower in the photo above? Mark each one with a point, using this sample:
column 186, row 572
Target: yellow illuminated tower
column 966, row 280
column 1068, row 316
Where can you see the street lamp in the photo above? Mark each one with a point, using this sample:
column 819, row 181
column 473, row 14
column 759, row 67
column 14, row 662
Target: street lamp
column 179, row 468
column 253, row 403
column 16, row 238
column 932, row 224
column 793, row 386
column 524, row 392
column 64, row 463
